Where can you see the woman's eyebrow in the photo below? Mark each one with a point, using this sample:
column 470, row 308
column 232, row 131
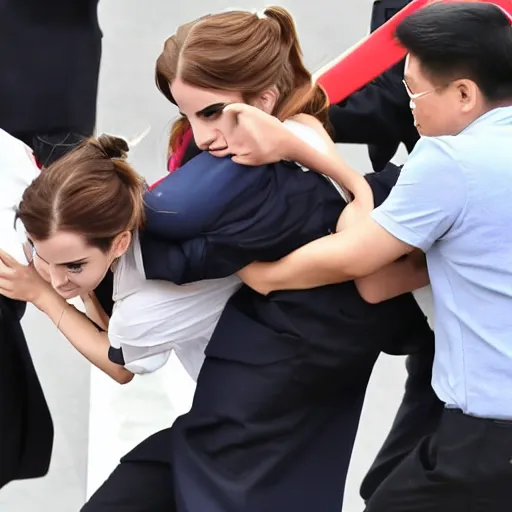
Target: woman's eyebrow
column 211, row 109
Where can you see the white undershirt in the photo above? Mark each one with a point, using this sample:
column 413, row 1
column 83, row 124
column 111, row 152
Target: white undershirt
column 155, row 317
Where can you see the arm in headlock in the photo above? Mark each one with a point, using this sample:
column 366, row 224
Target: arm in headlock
column 212, row 217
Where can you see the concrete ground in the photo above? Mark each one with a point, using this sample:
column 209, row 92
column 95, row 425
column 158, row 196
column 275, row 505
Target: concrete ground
column 96, row 421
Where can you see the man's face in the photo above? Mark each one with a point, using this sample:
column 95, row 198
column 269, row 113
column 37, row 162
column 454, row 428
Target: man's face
column 439, row 109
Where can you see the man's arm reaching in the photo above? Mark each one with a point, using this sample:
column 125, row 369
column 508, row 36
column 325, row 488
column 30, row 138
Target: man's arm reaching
column 405, row 275
column 350, row 254
column 426, row 202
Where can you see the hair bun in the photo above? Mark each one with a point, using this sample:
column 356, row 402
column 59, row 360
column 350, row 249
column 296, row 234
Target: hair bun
column 113, row 147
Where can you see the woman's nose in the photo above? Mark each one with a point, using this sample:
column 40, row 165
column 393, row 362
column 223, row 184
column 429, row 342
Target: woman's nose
column 58, row 277
column 203, row 137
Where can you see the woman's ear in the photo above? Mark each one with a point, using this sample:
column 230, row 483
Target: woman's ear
column 267, row 100
column 121, row 244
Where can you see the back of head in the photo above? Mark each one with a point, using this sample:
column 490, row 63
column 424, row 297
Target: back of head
column 455, row 40
column 243, row 52
column 92, row 191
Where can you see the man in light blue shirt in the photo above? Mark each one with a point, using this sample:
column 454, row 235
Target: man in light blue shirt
column 453, row 201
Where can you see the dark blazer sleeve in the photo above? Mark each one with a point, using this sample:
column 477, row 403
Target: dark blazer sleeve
column 374, row 113
column 212, row 217
column 382, row 182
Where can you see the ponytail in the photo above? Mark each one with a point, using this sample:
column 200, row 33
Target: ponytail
column 305, row 97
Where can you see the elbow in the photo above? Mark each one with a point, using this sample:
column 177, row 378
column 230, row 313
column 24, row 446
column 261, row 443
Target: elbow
column 123, row 377
column 369, row 292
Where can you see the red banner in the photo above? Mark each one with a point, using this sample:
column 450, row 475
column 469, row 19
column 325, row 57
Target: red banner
column 375, row 54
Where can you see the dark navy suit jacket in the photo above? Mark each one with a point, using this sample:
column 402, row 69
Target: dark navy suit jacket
column 213, row 217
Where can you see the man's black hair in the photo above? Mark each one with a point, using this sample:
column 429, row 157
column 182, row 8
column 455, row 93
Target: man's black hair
column 462, row 40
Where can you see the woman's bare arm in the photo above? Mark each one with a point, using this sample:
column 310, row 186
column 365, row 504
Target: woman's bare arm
column 94, row 311
column 86, row 337
column 332, row 164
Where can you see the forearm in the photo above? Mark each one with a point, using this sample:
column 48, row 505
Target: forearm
column 95, row 312
column 355, row 252
column 402, row 276
column 331, row 164
column 315, row 264
column 91, row 342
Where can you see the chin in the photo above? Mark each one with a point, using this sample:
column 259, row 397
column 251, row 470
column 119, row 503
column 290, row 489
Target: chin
column 72, row 294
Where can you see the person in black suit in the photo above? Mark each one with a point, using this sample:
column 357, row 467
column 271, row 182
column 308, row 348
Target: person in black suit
column 26, row 429
column 49, row 56
column 379, row 115
column 49, row 59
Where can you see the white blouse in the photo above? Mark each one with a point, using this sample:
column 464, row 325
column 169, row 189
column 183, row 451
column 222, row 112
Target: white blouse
column 152, row 318
column 18, row 169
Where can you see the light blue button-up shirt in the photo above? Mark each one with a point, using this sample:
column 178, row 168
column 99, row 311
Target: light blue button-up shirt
column 453, row 200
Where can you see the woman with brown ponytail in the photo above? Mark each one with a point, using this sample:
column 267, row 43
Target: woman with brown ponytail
column 280, row 392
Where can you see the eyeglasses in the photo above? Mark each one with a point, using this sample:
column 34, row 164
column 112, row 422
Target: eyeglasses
column 414, row 96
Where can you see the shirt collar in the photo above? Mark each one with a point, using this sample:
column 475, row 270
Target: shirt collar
column 501, row 115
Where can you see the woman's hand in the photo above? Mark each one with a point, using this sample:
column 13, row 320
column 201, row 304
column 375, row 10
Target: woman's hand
column 253, row 136
column 20, row 282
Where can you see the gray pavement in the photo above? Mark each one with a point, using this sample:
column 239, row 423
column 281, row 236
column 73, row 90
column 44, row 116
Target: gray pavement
column 129, row 102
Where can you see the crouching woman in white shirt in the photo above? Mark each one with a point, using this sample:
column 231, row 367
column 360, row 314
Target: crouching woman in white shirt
column 94, row 230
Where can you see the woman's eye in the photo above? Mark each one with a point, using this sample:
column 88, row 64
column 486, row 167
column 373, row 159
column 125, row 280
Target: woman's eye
column 212, row 114
column 75, row 268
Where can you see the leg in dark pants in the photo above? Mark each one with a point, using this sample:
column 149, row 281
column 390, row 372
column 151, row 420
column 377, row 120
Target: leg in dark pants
column 274, row 417
column 135, row 487
column 418, row 416
column 464, row 467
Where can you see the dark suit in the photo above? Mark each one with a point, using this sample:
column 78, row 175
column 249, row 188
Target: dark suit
column 49, row 60
column 379, row 115
column 26, row 429
column 279, row 396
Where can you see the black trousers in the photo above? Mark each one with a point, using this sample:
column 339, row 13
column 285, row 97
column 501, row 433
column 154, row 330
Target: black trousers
column 418, row 416
column 466, row 466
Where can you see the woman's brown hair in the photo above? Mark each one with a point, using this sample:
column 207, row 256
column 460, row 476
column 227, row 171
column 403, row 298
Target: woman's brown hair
column 242, row 52
column 92, row 191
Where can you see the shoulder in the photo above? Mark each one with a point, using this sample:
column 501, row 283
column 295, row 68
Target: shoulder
column 310, row 130
column 434, row 158
column 440, row 148
column 432, row 176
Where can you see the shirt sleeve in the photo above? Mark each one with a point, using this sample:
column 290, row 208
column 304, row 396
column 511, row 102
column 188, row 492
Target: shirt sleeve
column 428, row 198
column 136, row 331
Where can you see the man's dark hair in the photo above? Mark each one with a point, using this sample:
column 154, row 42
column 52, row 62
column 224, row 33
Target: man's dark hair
column 462, row 40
